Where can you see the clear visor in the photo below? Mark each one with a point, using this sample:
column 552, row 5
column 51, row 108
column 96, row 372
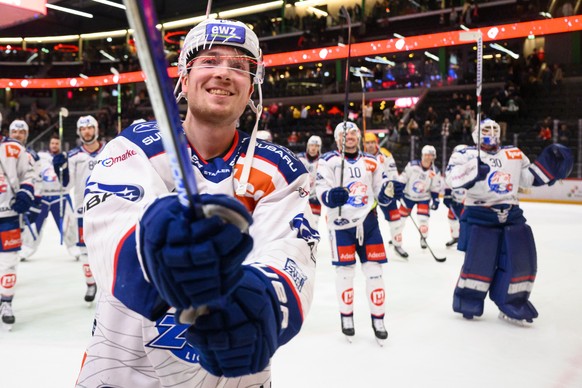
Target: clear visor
column 239, row 63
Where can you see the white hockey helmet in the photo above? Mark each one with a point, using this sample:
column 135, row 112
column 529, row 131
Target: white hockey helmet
column 264, row 135
column 349, row 127
column 314, row 140
column 429, row 150
column 87, row 121
column 18, row 125
column 490, row 134
column 225, row 33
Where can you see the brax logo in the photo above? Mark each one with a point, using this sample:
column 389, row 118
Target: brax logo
column 513, row 154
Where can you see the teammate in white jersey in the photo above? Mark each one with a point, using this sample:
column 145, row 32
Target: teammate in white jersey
column 453, row 200
column 55, row 200
column 391, row 212
column 348, row 187
column 500, row 254
column 310, row 159
column 18, row 130
column 16, row 197
column 153, row 261
column 75, row 168
column 423, row 183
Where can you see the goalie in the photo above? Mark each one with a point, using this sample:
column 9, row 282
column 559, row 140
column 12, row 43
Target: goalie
column 500, row 253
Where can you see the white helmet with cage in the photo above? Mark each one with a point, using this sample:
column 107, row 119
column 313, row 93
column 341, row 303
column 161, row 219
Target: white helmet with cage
column 429, row 150
column 490, row 135
column 87, row 121
column 349, row 127
column 18, row 125
column 222, row 32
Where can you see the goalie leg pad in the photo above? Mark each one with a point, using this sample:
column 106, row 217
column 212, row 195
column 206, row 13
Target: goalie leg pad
column 483, row 246
column 516, row 272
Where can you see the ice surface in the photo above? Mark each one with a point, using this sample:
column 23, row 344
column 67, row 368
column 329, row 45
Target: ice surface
column 428, row 344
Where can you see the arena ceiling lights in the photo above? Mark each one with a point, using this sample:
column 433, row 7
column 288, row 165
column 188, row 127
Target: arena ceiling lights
column 366, row 49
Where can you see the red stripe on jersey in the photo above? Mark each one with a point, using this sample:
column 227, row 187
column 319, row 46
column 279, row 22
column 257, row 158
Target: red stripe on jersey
column 116, row 257
column 291, row 285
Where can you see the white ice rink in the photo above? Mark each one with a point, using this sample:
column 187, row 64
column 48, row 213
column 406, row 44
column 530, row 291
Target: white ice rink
column 428, row 344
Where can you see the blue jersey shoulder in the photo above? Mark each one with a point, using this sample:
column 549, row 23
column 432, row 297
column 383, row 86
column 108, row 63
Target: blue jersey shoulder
column 33, row 154
column 289, row 165
column 415, row 162
column 146, row 135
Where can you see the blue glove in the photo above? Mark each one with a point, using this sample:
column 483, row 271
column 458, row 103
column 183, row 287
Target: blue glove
column 335, row 197
column 240, row 338
column 194, row 261
column 448, row 198
column 23, row 200
column 34, row 210
column 435, row 201
column 390, row 191
column 555, row 162
column 61, row 161
column 482, row 171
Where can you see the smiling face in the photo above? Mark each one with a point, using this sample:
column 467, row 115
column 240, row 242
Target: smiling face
column 218, row 86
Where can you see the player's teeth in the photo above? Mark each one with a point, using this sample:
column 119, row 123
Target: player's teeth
column 220, row 92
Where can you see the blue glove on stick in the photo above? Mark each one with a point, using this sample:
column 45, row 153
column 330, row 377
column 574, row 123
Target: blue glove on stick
column 194, row 262
column 61, row 161
column 23, row 200
column 435, row 201
column 241, row 337
column 335, row 197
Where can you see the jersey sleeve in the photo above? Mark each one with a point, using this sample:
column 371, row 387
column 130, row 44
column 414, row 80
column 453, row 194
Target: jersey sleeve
column 461, row 170
column 115, row 196
column 286, row 239
column 325, row 177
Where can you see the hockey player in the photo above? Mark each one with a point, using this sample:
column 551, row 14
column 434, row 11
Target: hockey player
column 310, row 159
column 349, row 189
column 55, row 199
column 423, row 184
column 252, row 287
column 18, row 130
column 500, row 254
column 391, row 212
column 75, row 168
column 453, row 200
column 16, row 197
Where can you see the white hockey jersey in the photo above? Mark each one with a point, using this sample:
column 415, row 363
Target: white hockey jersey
column 128, row 349
column 388, row 164
column 421, row 183
column 16, row 173
column 509, row 171
column 362, row 176
column 81, row 164
column 50, row 186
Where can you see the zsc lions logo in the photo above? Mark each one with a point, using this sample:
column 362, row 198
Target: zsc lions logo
column 500, row 182
column 358, row 194
column 131, row 193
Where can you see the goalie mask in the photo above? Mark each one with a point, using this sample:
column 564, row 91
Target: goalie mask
column 490, row 135
column 87, row 121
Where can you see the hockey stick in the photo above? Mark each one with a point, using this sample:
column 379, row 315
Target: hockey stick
column 439, row 259
column 477, row 36
column 143, row 19
column 345, row 14
column 63, row 112
column 117, row 80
